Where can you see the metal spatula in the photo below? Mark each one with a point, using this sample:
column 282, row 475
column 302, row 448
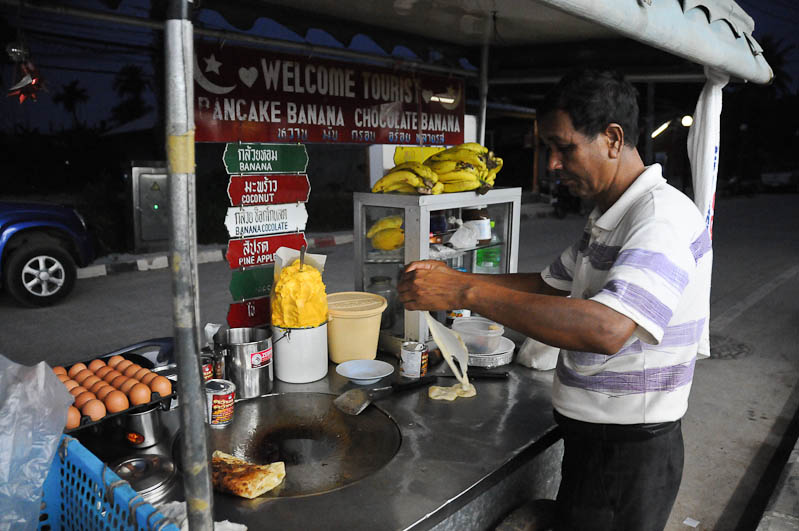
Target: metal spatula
column 354, row 401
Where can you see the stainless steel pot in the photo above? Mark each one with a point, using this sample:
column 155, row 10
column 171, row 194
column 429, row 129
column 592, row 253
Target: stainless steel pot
column 143, row 428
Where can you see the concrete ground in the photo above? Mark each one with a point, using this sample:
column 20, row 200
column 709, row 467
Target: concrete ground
column 741, row 424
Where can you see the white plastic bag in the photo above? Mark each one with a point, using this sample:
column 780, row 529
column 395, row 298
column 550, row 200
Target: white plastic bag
column 537, row 355
column 33, row 413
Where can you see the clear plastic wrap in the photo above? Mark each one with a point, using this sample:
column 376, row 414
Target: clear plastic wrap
column 33, row 412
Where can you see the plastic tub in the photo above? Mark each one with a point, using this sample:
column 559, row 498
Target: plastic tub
column 481, row 335
column 353, row 326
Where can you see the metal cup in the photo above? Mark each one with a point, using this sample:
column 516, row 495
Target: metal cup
column 248, row 360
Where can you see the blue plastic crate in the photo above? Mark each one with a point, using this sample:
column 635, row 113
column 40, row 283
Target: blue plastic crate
column 81, row 493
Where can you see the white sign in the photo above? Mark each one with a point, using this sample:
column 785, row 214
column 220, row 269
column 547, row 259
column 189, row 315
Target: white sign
column 242, row 222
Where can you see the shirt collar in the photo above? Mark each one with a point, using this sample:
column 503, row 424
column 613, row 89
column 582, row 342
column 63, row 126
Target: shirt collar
column 650, row 178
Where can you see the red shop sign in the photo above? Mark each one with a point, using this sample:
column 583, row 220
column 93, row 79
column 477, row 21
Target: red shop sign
column 248, row 252
column 252, row 95
column 268, row 189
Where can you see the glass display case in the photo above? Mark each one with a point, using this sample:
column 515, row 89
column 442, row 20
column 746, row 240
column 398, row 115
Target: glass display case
column 430, row 226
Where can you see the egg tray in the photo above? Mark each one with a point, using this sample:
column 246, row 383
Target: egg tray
column 163, row 402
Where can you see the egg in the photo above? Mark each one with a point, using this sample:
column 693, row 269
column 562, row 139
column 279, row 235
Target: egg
column 102, row 371
column 141, row 373
column 161, row 385
column 73, row 418
column 113, row 361
column 90, row 381
column 62, row 377
column 116, row 401
column 58, row 369
column 94, row 409
column 75, row 369
column 75, row 391
column 110, row 375
column 96, row 364
column 119, row 380
column 83, row 398
column 83, row 375
column 125, row 387
column 104, row 391
column 131, row 370
column 99, row 384
column 70, row 384
column 122, row 365
column 148, row 378
column 139, row 394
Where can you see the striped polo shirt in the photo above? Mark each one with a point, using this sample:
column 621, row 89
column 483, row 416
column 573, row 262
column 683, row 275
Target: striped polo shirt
column 648, row 257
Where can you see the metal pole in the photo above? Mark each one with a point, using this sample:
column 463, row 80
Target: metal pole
column 179, row 49
column 481, row 132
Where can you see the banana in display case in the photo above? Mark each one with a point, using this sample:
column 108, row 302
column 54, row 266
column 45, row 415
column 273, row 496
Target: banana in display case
column 415, row 211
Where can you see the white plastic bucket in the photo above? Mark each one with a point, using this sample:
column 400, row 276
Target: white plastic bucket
column 300, row 354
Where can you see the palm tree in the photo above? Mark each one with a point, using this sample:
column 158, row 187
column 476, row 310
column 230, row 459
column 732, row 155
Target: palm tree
column 70, row 96
column 131, row 81
column 130, row 84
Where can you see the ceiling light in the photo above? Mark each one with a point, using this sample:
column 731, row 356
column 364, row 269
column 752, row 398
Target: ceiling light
column 687, row 120
column 660, row 129
column 442, row 99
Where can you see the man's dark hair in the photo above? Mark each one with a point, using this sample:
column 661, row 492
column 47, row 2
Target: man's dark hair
column 593, row 99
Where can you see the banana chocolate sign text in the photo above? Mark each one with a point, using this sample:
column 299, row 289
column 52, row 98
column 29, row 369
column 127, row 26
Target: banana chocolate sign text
column 249, row 95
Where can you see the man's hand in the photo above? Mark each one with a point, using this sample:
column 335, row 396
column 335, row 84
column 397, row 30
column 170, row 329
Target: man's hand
column 431, row 285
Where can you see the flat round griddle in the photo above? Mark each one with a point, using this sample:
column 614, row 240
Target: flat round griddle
column 323, row 449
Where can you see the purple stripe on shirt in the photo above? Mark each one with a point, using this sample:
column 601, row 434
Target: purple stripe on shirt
column 592, row 358
column 683, row 335
column 701, row 245
column 602, row 257
column 656, row 262
column 559, row 271
column 641, row 300
column 631, row 382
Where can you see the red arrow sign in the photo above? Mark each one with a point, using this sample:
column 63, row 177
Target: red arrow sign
column 268, row 189
column 255, row 312
column 247, row 252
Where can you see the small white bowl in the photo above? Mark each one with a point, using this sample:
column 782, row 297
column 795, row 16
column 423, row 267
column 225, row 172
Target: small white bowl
column 364, row 372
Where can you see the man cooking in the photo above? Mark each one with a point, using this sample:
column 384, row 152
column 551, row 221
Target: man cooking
column 627, row 304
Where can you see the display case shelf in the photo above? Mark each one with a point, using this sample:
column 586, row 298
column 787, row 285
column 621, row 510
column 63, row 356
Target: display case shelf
column 504, row 206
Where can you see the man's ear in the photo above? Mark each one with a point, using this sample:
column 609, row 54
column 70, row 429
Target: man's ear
column 615, row 139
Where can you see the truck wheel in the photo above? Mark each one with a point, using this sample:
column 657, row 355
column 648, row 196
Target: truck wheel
column 39, row 274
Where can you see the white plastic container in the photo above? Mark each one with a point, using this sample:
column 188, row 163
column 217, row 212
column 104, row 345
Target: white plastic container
column 354, row 325
column 481, row 335
column 300, row 353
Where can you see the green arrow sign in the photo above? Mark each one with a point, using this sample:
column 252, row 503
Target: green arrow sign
column 265, row 158
column 252, row 283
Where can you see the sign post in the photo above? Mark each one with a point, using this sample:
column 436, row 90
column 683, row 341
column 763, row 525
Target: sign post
column 267, row 197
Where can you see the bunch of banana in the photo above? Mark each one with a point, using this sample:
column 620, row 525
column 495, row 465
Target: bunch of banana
column 388, row 239
column 468, row 166
column 386, row 233
column 388, row 222
column 409, row 178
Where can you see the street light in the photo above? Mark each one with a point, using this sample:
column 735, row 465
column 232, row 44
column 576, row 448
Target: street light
column 686, row 121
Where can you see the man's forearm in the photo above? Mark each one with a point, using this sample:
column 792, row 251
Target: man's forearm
column 526, row 282
column 574, row 324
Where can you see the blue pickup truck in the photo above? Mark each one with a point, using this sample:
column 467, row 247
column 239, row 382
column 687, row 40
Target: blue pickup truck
column 41, row 244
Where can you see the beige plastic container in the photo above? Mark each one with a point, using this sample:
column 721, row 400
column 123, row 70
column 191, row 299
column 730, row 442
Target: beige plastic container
column 353, row 325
